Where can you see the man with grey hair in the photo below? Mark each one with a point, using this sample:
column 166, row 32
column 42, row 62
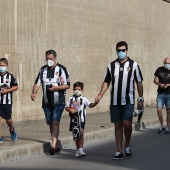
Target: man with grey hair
column 54, row 79
column 162, row 79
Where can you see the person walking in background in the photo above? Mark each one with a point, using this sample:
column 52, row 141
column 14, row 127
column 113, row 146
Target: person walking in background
column 76, row 106
column 8, row 85
column 54, row 78
column 162, row 79
column 121, row 74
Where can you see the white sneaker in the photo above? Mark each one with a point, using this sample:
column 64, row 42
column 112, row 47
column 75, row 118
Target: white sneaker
column 82, row 153
column 167, row 131
column 77, row 154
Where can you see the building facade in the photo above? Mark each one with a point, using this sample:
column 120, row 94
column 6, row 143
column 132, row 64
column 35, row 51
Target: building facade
column 84, row 34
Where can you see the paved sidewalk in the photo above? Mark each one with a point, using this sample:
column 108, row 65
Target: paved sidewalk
column 34, row 136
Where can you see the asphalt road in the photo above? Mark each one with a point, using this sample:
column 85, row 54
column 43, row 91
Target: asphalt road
column 150, row 152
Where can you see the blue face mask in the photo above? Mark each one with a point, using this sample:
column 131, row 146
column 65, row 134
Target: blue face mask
column 3, row 69
column 121, row 55
column 167, row 66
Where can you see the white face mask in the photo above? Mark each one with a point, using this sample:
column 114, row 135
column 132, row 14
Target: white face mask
column 77, row 92
column 50, row 63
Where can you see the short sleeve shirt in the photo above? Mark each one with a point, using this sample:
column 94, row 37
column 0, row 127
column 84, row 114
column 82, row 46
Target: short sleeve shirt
column 57, row 77
column 79, row 103
column 8, row 81
column 122, row 77
column 164, row 78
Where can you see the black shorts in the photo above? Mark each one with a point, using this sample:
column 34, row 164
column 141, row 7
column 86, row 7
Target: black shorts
column 6, row 111
column 71, row 126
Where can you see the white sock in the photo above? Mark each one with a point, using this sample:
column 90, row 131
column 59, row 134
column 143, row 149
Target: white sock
column 80, row 149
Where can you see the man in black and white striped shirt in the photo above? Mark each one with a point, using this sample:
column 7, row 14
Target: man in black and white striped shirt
column 122, row 75
column 54, row 79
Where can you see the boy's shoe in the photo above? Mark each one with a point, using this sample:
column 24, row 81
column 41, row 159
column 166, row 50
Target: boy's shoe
column 13, row 135
column 161, row 130
column 128, row 152
column 52, row 150
column 82, row 153
column 1, row 140
column 118, row 155
column 167, row 131
column 77, row 153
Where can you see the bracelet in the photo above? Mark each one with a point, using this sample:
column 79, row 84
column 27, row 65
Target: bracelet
column 140, row 99
column 100, row 94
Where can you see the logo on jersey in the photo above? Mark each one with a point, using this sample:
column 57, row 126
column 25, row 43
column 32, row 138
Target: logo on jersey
column 121, row 68
column 128, row 69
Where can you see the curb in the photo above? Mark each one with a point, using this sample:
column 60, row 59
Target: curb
column 38, row 148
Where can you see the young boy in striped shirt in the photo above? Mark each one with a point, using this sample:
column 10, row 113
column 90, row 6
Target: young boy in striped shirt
column 8, row 84
column 76, row 106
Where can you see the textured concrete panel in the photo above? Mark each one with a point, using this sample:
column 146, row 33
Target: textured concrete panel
column 84, row 34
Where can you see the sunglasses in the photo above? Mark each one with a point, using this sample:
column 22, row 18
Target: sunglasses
column 123, row 50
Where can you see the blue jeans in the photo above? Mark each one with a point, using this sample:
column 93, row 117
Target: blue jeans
column 119, row 113
column 163, row 99
column 53, row 113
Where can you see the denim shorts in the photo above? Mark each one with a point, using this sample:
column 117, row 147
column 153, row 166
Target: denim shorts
column 119, row 113
column 53, row 113
column 163, row 99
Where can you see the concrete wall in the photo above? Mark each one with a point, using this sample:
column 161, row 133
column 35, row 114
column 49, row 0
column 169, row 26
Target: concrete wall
column 84, row 34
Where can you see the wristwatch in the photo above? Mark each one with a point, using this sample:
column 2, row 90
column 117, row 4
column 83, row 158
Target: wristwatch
column 140, row 99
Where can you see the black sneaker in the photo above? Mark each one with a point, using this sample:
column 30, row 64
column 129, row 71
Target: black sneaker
column 57, row 149
column 52, row 151
column 161, row 130
column 118, row 155
column 128, row 152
